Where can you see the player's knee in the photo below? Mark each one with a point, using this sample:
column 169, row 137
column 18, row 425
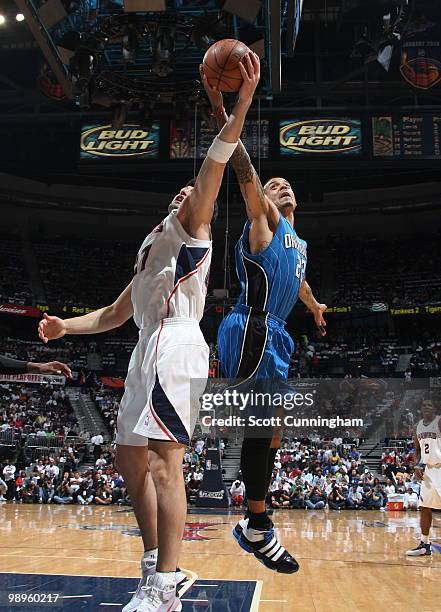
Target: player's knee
column 131, row 461
column 165, row 472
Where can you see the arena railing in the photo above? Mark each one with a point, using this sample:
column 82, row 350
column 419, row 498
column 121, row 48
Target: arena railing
column 34, row 441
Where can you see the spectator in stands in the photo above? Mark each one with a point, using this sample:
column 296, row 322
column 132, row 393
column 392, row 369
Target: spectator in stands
column 9, row 478
column 355, row 498
column 315, row 499
column 64, row 494
column 336, row 501
column 118, row 488
column 237, row 492
column 100, row 462
column 19, row 485
column 52, row 470
column 30, row 493
column 3, row 489
column 199, row 446
column 411, row 499
column 372, row 499
column 47, row 490
column 86, row 493
column 97, row 442
column 192, row 487
column 280, row 498
column 103, row 495
column 297, row 498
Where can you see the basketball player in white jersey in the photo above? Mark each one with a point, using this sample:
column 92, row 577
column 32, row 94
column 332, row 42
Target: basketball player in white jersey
column 166, row 298
column 428, row 469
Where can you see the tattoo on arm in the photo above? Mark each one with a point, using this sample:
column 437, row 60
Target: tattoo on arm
column 241, row 162
column 246, row 175
column 307, row 296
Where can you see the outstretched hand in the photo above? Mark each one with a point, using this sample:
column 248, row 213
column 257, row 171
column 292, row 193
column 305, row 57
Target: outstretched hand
column 214, row 94
column 52, row 367
column 319, row 319
column 51, row 328
column 250, row 69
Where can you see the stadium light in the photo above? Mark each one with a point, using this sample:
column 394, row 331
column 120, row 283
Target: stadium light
column 19, row 17
column 2, row 19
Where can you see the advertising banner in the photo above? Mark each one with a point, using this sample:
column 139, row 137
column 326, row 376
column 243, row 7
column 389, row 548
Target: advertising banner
column 131, row 141
column 34, row 378
column 320, row 136
column 212, row 492
column 17, row 309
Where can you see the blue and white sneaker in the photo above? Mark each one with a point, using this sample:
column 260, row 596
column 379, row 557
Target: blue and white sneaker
column 267, row 549
column 422, row 550
column 237, row 531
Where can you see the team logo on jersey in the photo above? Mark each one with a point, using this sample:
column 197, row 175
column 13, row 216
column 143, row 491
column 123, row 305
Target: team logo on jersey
column 324, row 136
column 130, row 141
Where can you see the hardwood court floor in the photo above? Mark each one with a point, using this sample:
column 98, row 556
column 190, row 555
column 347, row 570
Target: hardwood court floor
column 349, row 560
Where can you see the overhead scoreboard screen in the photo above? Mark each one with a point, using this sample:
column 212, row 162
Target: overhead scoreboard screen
column 413, row 136
column 327, row 136
column 103, row 142
column 184, row 140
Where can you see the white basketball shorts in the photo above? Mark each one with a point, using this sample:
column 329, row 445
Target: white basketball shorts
column 167, row 374
column 430, row 492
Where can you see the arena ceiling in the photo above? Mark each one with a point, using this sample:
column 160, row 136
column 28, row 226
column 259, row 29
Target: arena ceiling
column 332, row 65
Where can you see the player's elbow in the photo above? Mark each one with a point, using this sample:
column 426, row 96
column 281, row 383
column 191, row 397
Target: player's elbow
column 116, row 315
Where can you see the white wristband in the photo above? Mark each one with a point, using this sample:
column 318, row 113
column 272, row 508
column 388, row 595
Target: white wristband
column 221, row 151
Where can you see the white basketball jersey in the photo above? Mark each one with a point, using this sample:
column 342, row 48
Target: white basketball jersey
column 171, row 274
column 429, row 437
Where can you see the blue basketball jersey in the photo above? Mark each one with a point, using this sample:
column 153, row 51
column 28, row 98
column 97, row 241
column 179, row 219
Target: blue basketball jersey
column 270, row 280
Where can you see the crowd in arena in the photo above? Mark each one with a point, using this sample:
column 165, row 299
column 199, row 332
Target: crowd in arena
column 14, row 283
column 333, row 474
column 31, row 411
column 63, row 475
column 315, row 474
column 43, row 448
column 64, row 267
column 399, row 281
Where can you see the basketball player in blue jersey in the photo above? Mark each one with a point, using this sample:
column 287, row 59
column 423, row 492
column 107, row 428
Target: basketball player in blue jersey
column 157, row 416
column 253, row 342
column 427, row 440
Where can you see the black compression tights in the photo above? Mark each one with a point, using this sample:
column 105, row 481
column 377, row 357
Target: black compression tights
column 257, row 462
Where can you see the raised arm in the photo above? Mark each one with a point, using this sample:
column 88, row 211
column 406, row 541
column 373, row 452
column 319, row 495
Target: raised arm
column 109, row 317
column 197, row 210
column 256, row 202
column 262, row 213
column 307, row 297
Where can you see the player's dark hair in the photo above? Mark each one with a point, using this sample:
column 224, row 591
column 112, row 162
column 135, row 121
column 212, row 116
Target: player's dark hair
column 191, row 183
column 427, row 398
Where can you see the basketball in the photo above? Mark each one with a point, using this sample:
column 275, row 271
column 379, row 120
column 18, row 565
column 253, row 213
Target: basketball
column 221, row 64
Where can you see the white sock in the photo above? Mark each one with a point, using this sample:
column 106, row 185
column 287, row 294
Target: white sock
column 425, row 539
column 149, row 558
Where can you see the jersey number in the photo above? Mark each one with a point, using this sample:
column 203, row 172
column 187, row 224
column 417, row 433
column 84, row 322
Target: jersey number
column 427, row 448
column 301, row 267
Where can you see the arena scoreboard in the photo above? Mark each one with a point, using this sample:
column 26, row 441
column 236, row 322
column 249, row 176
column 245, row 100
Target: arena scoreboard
column 413, row 136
